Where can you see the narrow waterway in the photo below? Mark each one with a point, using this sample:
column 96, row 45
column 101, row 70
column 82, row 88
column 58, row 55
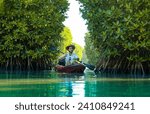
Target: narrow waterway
column 52, row 84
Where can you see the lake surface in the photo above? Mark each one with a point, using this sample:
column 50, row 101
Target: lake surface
column 52, row 84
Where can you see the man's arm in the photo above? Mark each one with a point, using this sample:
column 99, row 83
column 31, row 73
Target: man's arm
column 61, row 60
column 62, row 57
column 76, row 58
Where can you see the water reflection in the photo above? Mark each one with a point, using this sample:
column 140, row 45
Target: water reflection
column 78, row 88
column 73, row 87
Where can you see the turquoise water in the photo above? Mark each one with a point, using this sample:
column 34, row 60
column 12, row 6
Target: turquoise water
column 52, row 84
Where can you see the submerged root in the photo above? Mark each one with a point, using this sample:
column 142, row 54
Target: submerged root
column 122, row 65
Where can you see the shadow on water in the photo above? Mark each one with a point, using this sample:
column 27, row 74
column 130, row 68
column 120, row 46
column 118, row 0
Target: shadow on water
column 52, row 84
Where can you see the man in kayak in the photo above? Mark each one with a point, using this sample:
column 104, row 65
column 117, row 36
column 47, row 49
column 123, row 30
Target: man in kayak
column 69, row 58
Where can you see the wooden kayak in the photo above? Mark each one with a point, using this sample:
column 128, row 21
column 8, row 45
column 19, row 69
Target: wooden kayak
column 77, row 68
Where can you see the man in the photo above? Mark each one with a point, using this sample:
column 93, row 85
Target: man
column 69, row 58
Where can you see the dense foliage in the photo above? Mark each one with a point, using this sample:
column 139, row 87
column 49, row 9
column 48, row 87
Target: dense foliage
column 28, row 31
column 67, row 39
column 91, row 52
column 120, row 30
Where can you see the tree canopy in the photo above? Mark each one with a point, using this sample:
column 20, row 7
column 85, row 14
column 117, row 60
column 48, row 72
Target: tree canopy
column 67, row 39
column 120, row 30
column 28, row 31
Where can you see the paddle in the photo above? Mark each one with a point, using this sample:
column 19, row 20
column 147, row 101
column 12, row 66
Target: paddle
column 91, row 67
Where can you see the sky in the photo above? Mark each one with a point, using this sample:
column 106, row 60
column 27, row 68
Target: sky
column 76, row 23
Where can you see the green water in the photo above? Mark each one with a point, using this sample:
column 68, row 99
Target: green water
column 51, row 84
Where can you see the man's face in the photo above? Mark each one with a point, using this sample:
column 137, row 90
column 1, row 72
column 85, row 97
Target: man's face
column 70, row 49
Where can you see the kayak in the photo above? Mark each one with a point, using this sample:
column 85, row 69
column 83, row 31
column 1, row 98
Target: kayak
column 77, row 68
